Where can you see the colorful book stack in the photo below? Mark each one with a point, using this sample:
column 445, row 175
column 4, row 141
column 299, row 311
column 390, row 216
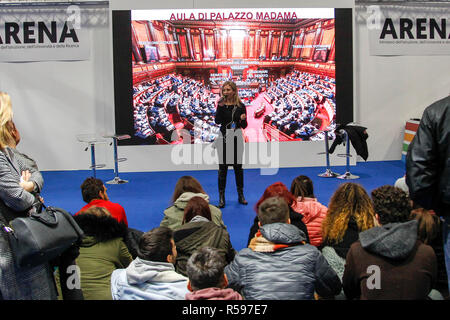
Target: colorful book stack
column 410, row 131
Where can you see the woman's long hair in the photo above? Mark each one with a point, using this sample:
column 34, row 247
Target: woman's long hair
column 187, row 184
column 278, row 189
column 350, row 200
column 236, row 100
column 428, row 225
column 6, row 124
column 302, row 186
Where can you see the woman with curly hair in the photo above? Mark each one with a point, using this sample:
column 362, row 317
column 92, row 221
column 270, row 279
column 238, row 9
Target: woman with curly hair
column 278, row 189
column 350, row 211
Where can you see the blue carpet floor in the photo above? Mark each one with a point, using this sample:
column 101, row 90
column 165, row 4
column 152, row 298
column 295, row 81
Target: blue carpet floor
column 148, row 193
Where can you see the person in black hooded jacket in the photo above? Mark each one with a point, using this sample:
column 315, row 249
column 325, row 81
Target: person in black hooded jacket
column 390, row 262
column 428, row 166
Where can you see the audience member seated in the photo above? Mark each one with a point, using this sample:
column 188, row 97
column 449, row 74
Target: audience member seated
column 430, row 232
column 296, row 99
column 94, row 194
column 199, row 231
column 151, row 276
column 101, row 252
column 313, row 211
column 350, row 211
column 401, row 184
column 278, row 189
column 186, row 188
column 141, row 122
column 247, row 95
column 207, row 281
column 181, row 95
column 279, row 264
column 389, row 262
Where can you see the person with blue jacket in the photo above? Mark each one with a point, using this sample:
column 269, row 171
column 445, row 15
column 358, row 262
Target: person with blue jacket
column 278, row 263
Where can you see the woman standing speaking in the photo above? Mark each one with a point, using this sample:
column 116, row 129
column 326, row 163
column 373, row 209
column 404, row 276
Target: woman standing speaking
column 232, row 116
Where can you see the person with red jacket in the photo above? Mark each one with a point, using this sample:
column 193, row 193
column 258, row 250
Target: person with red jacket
column 94, row 194
column 312, row 210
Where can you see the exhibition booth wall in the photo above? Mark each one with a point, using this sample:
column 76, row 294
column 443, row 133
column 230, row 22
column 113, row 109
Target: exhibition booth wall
column 56, row 101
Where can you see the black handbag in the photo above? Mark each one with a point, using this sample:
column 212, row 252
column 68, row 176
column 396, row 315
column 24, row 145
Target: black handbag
column 41, row 237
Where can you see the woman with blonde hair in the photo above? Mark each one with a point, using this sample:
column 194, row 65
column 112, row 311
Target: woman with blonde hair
column 6, row 115
column 15, row 195
column 232, row 116
column 16, row 200
column 31, row 179
column 350, row 211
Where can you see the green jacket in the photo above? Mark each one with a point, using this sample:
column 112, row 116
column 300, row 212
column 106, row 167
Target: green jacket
column 101, row 252
column 173, row 215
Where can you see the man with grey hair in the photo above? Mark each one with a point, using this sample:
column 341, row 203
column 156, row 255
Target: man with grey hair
column 279, row 264
column 207, row 280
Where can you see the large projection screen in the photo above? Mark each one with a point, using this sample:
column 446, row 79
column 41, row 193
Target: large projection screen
column 293, row 69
